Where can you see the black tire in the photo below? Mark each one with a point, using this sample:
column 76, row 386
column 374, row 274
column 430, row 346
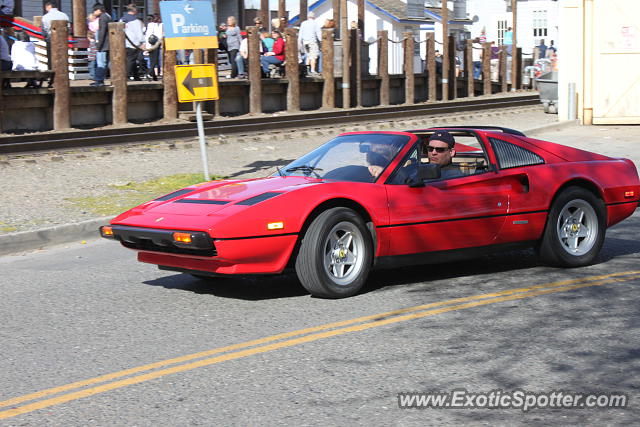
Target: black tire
column 556, row 249
column 319, row 267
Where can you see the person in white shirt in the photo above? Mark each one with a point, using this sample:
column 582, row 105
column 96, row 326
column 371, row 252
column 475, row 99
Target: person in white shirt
column 310, row 37
column 153, row 38
column 242, row 58
column 53, row 14
column 134, row 42
column 23, row 55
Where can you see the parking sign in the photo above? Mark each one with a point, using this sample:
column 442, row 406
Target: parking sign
column 189, row 25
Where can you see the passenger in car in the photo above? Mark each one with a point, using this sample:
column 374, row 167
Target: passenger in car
column 440, row 151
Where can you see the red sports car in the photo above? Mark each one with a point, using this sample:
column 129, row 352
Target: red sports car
column 373, row 199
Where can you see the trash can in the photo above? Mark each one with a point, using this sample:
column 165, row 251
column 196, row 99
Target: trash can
column 548, row 87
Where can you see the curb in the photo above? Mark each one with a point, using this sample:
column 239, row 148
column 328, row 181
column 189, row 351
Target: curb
column 67, row 233
column 37, row 239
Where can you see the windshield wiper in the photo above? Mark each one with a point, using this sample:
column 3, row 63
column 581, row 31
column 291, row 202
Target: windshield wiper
column 304, row 168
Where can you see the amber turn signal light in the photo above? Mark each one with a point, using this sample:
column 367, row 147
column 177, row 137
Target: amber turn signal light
column 106, row 231
column 275, row 225
column 182, row 237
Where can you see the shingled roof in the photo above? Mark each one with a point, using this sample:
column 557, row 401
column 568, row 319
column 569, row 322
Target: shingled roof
column 395, row 9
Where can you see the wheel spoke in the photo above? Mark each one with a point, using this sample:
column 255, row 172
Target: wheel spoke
column 340, row 273
column 580, row 214
column 346, row 239
column 350, row 258
column 563, row 234
column 573, row 242
column 583, row 232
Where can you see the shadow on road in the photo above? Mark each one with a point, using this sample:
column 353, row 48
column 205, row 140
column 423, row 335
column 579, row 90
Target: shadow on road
column 523, row 263
column 260, row 165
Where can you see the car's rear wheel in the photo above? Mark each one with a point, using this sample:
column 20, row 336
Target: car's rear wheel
column 575, row 229
column 335, row 254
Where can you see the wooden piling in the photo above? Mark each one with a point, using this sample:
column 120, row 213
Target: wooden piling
column 514, row 63
column 502, row 67
column 445, row 50
column 282, row 14
column 255, row 71
column 346, row 55
column 468, row 68
column 211, row 56
column 383, row 66
column 486, row 68
column 431, row 67
column 356, row 73
column 336, row 17
column 170, row 94
column 60, row 65
column 292, row 70
column 79, row 8
column 263, row 13
column 118, row 72
column 518, row 57
column 409, row 76
column 304, row 7
column 329, row 87
column 453, row 80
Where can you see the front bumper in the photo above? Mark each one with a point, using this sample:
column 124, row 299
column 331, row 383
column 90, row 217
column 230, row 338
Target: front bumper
column 158, row 240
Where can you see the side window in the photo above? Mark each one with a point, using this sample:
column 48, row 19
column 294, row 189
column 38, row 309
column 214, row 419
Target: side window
column 513, row 156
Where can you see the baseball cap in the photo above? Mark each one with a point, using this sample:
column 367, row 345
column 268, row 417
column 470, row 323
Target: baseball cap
column 444, row 136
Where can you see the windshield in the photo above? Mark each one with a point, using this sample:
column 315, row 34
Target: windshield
column 355, row 158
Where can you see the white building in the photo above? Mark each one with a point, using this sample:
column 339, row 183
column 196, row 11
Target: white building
column 389, row 15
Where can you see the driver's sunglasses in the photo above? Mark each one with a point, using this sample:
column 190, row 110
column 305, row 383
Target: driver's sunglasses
column 438, row 149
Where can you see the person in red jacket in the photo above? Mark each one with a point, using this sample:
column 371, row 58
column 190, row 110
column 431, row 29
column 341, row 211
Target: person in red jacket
column 276, row 56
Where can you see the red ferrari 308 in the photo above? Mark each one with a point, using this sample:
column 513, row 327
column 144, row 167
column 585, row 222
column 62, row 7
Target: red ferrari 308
column 371, row 199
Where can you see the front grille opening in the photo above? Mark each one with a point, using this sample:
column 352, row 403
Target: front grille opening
column 166, row 246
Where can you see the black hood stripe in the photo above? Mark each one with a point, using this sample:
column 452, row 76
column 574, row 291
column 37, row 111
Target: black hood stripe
column 257, row 199
column 203, row 201
column 174, row 194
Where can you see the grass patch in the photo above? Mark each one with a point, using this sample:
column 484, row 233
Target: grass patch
column 7, row 229
column 126, row 196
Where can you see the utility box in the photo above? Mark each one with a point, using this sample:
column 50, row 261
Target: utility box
column 599, row 51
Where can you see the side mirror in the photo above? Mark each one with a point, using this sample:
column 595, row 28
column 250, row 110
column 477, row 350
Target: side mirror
column 425, row 171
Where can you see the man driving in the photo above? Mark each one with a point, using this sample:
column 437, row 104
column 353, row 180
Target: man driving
column 440, row 151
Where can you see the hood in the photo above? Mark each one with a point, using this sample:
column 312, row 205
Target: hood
column 211, row 197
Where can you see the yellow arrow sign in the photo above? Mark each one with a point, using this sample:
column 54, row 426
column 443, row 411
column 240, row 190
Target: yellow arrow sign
column 197, row 82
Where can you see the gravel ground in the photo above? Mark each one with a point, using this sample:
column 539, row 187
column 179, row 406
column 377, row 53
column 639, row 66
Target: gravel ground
column 36, row 188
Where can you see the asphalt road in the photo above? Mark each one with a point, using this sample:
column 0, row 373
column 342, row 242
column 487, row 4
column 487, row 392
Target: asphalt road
column 89, row 336
column 84, row 311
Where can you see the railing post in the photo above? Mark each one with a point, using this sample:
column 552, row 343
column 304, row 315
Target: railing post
column 383, row 66
column 282, row 14
column 292, row 70
column 486, row 68
column 255, row 71
column 518, row 67
column 431, row 67
column 502, row 69
column 357, row 69
column 212, row 58
column 409, row 76
column 60, row 65
column 468, row 68
column 453, row 80
column 329, row 86
column 346, row 55
column 118, row 72
column 446, row 50
column 170, row 95
column 79, row 18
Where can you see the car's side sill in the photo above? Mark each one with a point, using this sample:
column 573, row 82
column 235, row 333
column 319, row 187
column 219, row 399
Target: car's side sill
column 437, row 257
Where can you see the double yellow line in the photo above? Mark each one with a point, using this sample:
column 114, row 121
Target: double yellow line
column 80, row 389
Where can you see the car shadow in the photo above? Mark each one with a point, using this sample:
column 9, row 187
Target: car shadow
column 260, row 165
column 523, row 262
column 243, row 288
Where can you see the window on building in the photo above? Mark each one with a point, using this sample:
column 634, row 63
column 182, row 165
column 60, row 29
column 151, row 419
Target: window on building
column 539, row 23
column 502, row 28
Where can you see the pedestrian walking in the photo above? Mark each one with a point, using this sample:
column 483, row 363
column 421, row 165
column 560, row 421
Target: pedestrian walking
column 102, row 44
column 153, row 36
column 310, row 36
column 134, row 35
column 234, row 38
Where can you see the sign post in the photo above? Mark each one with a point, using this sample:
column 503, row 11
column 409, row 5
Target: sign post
column 191, row 25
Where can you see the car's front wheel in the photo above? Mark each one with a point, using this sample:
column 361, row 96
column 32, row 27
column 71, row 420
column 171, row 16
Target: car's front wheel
column 575, row 229
column 335, row 254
